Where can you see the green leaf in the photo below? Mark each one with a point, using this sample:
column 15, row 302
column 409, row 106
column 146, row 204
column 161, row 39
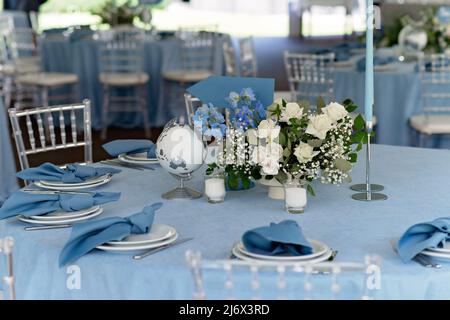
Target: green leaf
column 358, row 137
column 359, row 123
column 347, row 102
column 353, row 157
column 282, row 139
column 343, row 165
column 359, row 147
column 233, row 182
column 286, row 152
column 310, row 189
column 315, row 143
column 245, row 182
column 320, row 104
column 351, row 107
column 281, row 177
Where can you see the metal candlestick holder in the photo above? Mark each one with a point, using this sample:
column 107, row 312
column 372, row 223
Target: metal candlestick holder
column 368, row 191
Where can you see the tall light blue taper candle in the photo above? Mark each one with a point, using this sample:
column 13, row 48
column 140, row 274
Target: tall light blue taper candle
column 369, row 94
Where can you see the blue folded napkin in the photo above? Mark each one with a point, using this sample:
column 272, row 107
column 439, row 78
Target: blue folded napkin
column 73, row 173
column 422, row 236
column 278, row 238
column 339, row 55
column 117, row 147
column 31, row 204
column 377, row 61
column 88, row 235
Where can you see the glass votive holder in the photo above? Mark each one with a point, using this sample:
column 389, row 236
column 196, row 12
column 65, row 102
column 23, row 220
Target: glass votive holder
column 295, row 197
column 215, row 188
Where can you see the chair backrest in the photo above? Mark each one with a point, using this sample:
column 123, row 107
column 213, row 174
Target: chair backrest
column 237, row 279
column 248, row 61
column 7, row 288
column 229, row 55
column 198, row 51
column 121, row 51
column 184, row 31
column 55, row 121
column 435, row 80
column 309, row 75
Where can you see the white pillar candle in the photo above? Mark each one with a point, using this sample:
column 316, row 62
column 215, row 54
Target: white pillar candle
column 215, row 189
column 295, row 197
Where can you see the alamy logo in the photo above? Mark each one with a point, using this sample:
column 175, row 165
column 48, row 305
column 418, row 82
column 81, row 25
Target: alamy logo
column 373, row 277
column 73, row 281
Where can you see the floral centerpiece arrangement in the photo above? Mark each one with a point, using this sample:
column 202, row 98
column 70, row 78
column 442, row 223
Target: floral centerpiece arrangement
column 115, row 13
column 231, row 135
column 297, row 143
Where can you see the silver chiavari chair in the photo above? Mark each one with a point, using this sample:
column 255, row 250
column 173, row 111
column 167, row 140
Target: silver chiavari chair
column 237, row 279
column 434, row 117
column 28, row 81
column 63, row 123
column 197, row 58
column 229, row 55
column 121, row 64
column 309, row 75
column 7, row 288
column 248, row 61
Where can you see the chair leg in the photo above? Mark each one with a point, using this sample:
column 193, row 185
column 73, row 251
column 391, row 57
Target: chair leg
column 423, row 138
column 105, row 110
column 144, row 109
column 7, row 91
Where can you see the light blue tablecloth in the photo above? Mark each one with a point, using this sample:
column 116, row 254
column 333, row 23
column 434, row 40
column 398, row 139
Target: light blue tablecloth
column 8, row 181
column 397, row 98
column 417, row 183
column 81, row 57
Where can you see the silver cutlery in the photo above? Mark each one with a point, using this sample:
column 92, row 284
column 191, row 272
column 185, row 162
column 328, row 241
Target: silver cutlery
column 152, row 251
column 424, row 261
column 59, row 226
column 121, row 165
column 40, row 191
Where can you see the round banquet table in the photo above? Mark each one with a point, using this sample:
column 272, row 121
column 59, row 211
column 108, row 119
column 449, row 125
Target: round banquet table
column 8, row 181
column 397, row 98
column 417, row 183
column 81, row 56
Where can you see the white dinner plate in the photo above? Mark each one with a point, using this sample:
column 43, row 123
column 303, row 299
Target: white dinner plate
column 436, row 254
column 71, row 187
column 137, row 160
column 244, row 257
column 384, row 67
column 64, row 215
column 343, row 64
column 140, row 247
column 319, row 249
column 90, row 181
column 445, row 249
column 158, row 232
column 66, row 221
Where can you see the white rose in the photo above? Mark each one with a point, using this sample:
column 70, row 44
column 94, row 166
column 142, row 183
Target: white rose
column 278, row 101
column 305, row 153
column 271, row 152
column 270, row 167
column 335, row 111
column 267, row 129
column 319, row 125
column 292, row 110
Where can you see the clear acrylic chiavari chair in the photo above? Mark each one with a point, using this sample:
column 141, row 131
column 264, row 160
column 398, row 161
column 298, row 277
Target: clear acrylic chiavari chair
column 229, row 55
column 121, row 64
column 309, row 75
column 197, row 58
column 69, row 126
column 248, row 61
column 7, row 285
column 434, row 117
column 237, row 279
column 27, row 81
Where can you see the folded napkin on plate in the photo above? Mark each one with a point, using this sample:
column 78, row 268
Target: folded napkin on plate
column 422, row 236
column 32, row 204
column 278, row 238
column 339, row 55
column 88, row 235
column 377, row 61
column 117, row 147
column 73, row 173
